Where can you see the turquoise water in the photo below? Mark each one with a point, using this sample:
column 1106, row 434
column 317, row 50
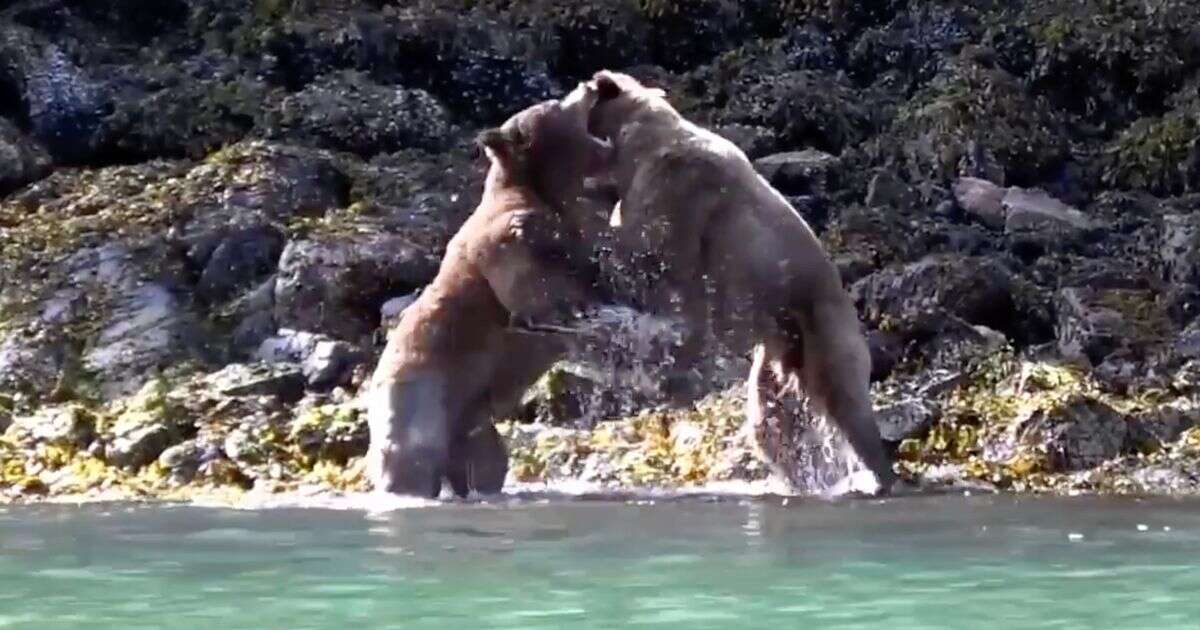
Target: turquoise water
column 926, row 562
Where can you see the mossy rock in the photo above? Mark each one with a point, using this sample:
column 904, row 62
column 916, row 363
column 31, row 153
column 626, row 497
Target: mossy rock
column 1159, row 154
column 144, row 426
column 973, row 112
column 331, row 433
column 1110, row 60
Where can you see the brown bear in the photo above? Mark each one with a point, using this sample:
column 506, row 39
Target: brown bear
column 694, row 198
column 466, row 349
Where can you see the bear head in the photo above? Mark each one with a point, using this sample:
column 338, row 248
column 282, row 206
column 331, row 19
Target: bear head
column 547, row 147
column 619, row 98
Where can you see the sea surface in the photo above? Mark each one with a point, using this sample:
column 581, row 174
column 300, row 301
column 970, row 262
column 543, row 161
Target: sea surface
column 903, row 563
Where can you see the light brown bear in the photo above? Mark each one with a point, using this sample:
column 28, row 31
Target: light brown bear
column 695, row 199
column 455, row 359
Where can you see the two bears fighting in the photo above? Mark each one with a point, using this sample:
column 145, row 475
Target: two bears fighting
column 739, row 262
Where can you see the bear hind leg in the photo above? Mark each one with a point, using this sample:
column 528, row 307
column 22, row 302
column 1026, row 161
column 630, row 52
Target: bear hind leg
column 478, row 461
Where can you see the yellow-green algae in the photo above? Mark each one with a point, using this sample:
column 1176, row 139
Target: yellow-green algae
column 1001, row 394
column 318, row 447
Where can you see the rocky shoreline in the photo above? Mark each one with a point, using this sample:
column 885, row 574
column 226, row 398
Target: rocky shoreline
column 210, row 210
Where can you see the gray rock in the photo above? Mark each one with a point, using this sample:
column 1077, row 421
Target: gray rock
column 799, row 172
column 147, row 327
column 331, row 363
column 65, row 425
column 560, row 397
column 1162, row 425
column 1180, row 249
column 1081, row 434
column 289, row 346
column 282, row 380
column 349, row 112
column 189, row 112
column 885, row 189
column 21, row 159
column 239, row 259
column 981, row 199
column 183, row 459
column 1095, row 323
column 1167, row 480
column 65, row 306
column 136, row 444
column 1036, row 211
column 63, row 104
column 31, row 362
column 324, row 362
column 276, row 183
column 1078, row 434
column 335, row 285
column 920, row 296
column 905, row 419
column 1187, row 344
column 255, row 314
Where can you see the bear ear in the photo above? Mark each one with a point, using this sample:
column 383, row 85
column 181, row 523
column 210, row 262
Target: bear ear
column 495, row 140
column 606, row 85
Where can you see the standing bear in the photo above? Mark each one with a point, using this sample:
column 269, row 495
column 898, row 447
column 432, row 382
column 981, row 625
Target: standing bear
column 465, row 351
column 694, row 199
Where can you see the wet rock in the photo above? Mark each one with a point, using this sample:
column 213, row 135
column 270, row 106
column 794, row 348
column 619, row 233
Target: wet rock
column 331, row 432
column 1159, row 427
column 324, row 362
column 1080, row 433
column 919, row 296
column 1094, row 323
column 904, row 420
column 235, row 260
column 145, row 426
column 281, row 380
column 184, row 459
column 799, row 172
column 982, row 199
column 347, row 112
column 1170, row 480
column 1180, row 250
column 62, row 103
column 21, row 159
column 336, row 285
column 1036, row 211
column 70, row 425
column 560, row 397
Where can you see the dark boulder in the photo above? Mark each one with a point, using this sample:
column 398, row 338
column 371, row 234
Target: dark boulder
column 335, row 285
column 347, row 112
